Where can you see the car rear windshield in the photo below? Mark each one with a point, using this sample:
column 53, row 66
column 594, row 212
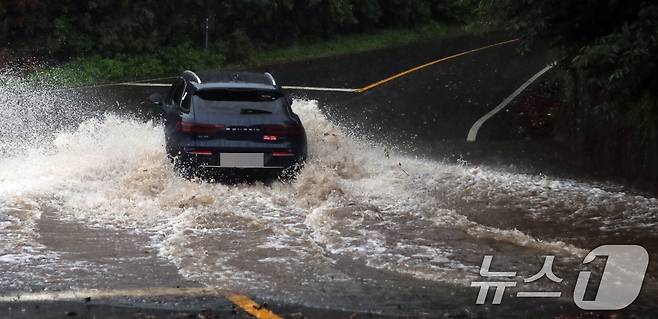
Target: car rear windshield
column 240, row 101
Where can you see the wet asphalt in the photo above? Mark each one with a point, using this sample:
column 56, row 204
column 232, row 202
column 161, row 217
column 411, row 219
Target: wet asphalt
column 427, row 113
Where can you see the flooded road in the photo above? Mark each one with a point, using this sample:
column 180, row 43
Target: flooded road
column 88, row 199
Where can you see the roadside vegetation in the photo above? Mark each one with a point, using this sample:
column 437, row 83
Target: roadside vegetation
column 171, row 60
column 607, row 80
column 101, row 40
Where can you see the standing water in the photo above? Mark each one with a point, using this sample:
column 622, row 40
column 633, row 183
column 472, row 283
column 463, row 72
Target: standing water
column 361, row 228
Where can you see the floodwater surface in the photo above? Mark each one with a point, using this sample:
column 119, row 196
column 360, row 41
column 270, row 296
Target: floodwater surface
column 364, row 227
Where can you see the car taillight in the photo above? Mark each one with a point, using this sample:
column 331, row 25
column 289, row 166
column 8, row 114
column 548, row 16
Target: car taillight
column 201, row 152
column 278, row 154
column 274, row 132
column 196, row 128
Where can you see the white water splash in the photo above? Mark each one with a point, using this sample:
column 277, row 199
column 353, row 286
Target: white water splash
column 353, row 203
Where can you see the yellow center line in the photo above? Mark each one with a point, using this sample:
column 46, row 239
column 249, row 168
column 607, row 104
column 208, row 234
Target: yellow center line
column 422, row 66
column 252, row 307
column 242, row 301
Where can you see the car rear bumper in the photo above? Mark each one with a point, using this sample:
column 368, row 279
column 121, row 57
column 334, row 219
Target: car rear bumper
column 273, row 159
column 242, row 167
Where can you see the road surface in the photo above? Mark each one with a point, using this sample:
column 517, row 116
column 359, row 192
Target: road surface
column 392, row 215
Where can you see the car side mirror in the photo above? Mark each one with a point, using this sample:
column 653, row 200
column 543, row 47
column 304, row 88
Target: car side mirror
column 156, row 99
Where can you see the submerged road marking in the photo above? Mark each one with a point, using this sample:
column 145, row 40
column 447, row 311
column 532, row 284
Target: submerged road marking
column 422, row 66
column 311, row 88
column 145, row 84
column 242, row 301
column 473, row 132
column 287, row 87
column 301, row 88
column 133, row 83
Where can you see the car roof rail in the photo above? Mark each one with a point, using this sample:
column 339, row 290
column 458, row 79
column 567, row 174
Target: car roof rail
column 191, row 76
column 269, row 76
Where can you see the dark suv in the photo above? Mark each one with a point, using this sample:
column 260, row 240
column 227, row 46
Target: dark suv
column 231, row 123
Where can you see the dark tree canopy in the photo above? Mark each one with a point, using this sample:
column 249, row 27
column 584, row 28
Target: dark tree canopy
column 612, row 44
column 608, row 52
column 66, row 28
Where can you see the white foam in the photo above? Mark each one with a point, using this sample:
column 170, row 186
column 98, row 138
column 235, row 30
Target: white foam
column 352, row 201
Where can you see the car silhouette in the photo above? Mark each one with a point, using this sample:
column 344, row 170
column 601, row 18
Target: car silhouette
column 231, row 124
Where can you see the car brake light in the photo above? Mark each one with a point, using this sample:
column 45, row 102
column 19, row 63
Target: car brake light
column 282, row 154
column 201, row 152
column 270, row 137
column 191, row 127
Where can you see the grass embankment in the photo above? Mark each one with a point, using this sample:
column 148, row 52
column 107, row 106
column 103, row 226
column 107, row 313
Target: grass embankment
column 173, row 60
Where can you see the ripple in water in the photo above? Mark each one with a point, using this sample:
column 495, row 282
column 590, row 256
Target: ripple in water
column 355, row 206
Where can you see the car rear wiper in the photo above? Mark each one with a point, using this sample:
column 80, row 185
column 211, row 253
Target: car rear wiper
column 254, row 111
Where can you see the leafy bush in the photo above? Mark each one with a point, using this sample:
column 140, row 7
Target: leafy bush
column 607, row 51
column 167, row 61
column 239, row 48
column 239, row 51
column 108, row 27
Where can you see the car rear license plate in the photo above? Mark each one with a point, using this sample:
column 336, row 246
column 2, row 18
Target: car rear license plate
column 241, row 160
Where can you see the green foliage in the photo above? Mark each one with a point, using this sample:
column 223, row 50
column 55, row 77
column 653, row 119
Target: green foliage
column 611, row 45
column 239, row 49
column 172, row 61
column 167, row 61
column 608, row 50
column 71, row 28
